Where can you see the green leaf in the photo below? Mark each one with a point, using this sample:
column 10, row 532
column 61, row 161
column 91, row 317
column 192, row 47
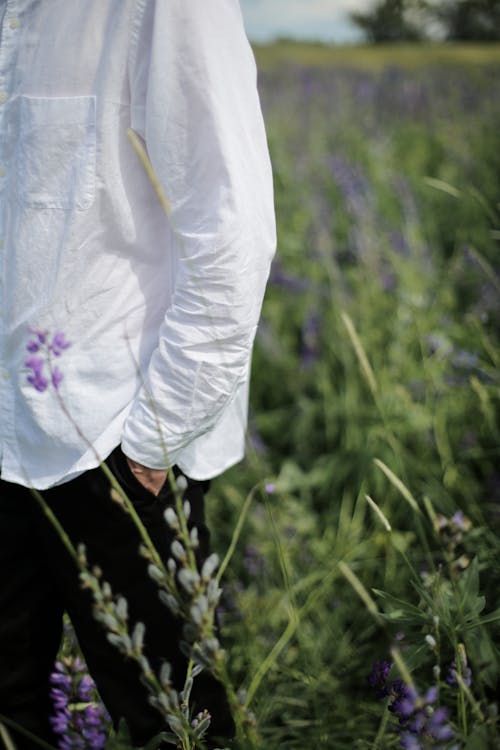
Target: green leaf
column 160, row 738
column 468, row 584
column 478, row 739
column 491, row 618
column 399, row 609
column 121, row 740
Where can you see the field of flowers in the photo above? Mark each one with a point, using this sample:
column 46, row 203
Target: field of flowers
column 372, row 541
column 361, row 606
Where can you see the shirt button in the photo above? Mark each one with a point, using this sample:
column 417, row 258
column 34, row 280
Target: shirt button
column 14, row 23
column 3, row 97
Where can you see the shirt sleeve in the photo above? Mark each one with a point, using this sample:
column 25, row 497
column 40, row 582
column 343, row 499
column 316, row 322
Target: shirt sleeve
column 195, row 104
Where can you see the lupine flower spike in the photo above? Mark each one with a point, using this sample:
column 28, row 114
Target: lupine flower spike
column 79, row 720
column 42, row 348
column 422, row 724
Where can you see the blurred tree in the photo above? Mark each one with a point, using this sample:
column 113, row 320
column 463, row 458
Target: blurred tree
column 477, row 20
column 389, row 21
column 413, row 20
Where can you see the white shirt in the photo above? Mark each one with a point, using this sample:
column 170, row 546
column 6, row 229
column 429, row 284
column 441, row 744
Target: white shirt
column 160, row 312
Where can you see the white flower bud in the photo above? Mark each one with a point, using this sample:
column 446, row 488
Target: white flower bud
column 431, row 641
column 178, row 550
column 171, row 519
column 155, row 573
column 122, row 608
column 181, row 483
column 165, row 674
column 188, row 580
column 169, row 601
column 193, row 538
column 138, row 636
column 210, row 566
column 172, row 567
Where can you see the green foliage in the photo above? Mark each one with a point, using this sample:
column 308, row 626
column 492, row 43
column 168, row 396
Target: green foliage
column 120, row 739
column 375, row 373
column 374, row 57
column 478, row 20
column 387, row 21
column 458, row 20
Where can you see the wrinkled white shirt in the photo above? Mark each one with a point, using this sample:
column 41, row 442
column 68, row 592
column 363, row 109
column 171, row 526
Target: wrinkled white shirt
column 160, row 311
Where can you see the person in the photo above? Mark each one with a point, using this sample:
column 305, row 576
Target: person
column 154, row 315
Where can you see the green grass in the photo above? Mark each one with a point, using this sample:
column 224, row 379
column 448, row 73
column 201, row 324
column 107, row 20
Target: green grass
column 370, row 57
column 375, row 373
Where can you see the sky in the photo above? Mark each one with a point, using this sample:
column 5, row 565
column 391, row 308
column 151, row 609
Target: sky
column 326, row 20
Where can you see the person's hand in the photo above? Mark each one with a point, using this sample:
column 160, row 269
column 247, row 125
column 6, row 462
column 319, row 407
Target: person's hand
column 152, row 479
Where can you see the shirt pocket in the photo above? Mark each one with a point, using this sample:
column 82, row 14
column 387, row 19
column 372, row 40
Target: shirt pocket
column 56, row 159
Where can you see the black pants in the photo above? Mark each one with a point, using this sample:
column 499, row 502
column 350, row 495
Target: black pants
column 39, row 580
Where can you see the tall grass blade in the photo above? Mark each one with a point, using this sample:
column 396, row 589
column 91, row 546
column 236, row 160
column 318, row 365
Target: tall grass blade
column 271, row 658
column 148, row 167
column 361, row 591
column 486, row 267
column 360, row 353
column 237, row 532
column 473, row 703
column 403, row 669
column 443, row 186
column 6, row 738
column 403, row 489
column 373, row 505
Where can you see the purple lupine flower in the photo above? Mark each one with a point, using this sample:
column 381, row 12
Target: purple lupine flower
column 378, row 678
column 36, row 377
column 40, row 335
column 79, row 727
column 85, row 688
column 94, row 726
column 95, row 739
column 59, row 677
column 420, row 722
column 39, row 345
column 410, row 742
column 35, row 363
column 60, row 697
column 56, row 377
column 60, row 722
column 465, row 673
column 431, row 695
column 59, row 343
column 437, row 726
column 404, row 702
column 270, row 488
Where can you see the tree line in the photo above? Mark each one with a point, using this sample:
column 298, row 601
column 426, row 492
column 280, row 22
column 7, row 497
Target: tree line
column 420, row 20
